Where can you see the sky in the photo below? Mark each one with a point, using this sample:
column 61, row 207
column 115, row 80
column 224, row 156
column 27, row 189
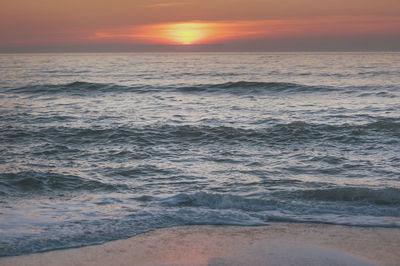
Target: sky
column 199, row 25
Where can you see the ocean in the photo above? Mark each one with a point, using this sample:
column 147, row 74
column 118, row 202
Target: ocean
column 98, row 147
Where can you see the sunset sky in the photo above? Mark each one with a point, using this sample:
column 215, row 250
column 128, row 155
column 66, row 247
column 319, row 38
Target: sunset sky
column 199, row 25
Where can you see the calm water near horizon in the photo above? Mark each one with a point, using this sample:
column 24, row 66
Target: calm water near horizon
column 97, row 147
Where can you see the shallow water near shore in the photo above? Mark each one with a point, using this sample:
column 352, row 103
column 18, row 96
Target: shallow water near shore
column 98, row 147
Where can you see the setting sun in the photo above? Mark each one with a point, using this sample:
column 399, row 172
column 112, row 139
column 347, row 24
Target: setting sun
column 186, row 33
column 213, row 32
column 203, row 32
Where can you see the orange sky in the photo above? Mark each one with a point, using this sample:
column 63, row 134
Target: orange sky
column 73, row 23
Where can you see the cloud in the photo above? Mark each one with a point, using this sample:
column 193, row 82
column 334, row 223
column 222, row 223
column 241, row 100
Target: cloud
column 206, row 32
column 165, row 4
column 190, row 32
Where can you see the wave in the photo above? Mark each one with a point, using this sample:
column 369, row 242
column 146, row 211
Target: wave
column 239, row 87
column 199, row 208
column 385, row 196
column 75, row 88
column 158, row 134
column 378, row 73
column 378, row 94
column 38, row 182
column 375, row 207
column 217, row 201
column 78, row 88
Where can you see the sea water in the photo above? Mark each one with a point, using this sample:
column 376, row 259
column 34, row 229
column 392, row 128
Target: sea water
column 97, row 147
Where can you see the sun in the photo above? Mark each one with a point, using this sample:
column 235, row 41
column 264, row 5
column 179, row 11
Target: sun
column 187, row 33
column 185, row 36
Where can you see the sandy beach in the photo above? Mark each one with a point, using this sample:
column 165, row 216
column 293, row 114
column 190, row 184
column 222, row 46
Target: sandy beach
column 276, row 244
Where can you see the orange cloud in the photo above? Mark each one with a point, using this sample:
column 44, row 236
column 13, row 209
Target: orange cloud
column 192, row 32
column 204, row 32
column 166, row 4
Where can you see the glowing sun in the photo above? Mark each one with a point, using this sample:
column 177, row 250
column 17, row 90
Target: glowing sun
column 186, row 33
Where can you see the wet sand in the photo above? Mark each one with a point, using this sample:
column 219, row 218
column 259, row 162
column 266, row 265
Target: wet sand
column 277, row 244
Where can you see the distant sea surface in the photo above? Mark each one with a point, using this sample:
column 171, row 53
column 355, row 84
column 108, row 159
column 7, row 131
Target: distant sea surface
column 97, row 147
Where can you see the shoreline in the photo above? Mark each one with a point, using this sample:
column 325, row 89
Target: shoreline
column 275, row 244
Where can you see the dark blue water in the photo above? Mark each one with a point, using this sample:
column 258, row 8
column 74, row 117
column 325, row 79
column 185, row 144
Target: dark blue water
column 96, row 147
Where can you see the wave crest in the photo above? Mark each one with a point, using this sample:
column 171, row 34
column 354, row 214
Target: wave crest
column 74, row 88
column 216, row 201
column 239, row 87
column 37, row 182
column 156, row 134
column 385, row 196
column 243, row 87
